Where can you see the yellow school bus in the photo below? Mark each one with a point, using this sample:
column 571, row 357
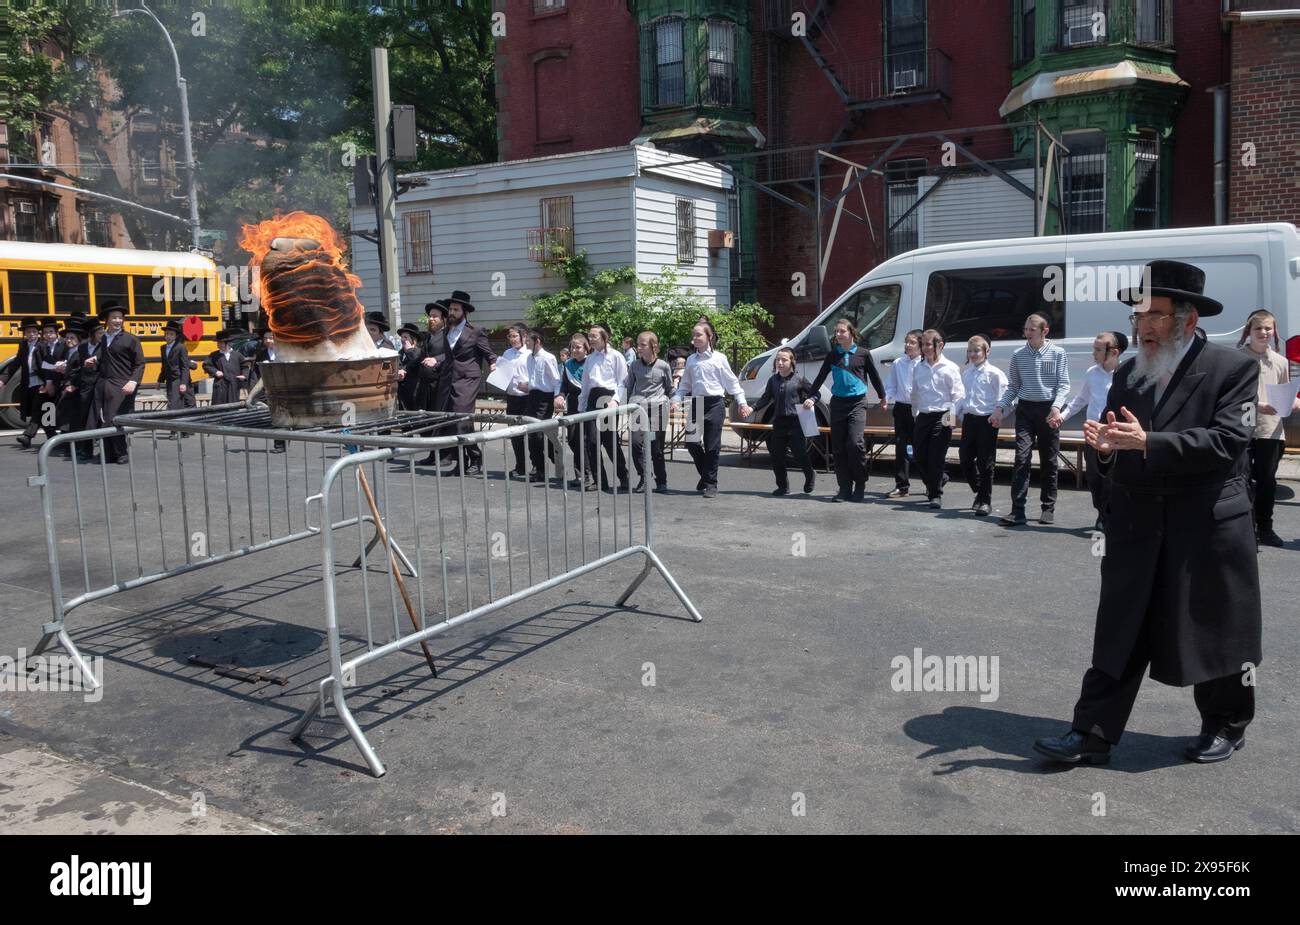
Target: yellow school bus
column 54, row 280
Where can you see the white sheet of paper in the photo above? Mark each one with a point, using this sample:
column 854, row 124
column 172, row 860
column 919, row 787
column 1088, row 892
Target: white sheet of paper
column 507, row 371
column 1282, row 396
column 808, row 421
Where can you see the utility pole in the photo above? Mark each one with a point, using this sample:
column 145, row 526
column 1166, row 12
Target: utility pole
column 185, row 124
column 386, row 189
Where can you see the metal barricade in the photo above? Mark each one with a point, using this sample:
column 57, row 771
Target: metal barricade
column 433, row 550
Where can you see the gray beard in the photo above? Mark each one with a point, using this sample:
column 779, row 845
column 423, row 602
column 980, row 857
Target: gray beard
column 1148, row 370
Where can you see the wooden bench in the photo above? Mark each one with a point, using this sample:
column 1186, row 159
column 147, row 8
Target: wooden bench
column 878, row 438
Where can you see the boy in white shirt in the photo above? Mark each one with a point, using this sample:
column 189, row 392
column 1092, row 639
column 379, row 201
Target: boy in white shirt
column 898, row 392
column 984, row 384
column 937, row 390
column 1106, row 351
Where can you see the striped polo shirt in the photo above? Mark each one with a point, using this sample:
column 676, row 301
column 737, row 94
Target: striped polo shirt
column 1037, row 375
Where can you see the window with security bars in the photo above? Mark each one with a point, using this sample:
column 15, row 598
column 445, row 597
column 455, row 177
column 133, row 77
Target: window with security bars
column 670, row 70
column 1083, row 182
column 419, row 242
column 554, row 239
column 1084, row 22
column 1146, row 181
column 722, row 63
column 902, row 189
column 685, row 231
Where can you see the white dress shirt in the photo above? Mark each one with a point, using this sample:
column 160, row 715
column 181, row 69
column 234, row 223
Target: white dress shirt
column 514, row 355
column 453, row 335
column 540, row 371
column 709, row 374
column 937, row 387
column 604, row 369
column 898, row 387
column 1096, row 386
column 984, row 385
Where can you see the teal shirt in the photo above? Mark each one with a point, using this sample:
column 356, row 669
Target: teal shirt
column 843, row 383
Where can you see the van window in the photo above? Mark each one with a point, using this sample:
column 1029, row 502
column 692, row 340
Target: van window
column 27, row 292
column 873, row 311
column 993, row 301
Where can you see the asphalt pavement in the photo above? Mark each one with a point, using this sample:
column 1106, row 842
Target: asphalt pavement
column 564, row 713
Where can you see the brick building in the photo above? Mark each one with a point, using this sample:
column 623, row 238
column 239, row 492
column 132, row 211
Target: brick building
column 1263, row 153
column 1126, row 85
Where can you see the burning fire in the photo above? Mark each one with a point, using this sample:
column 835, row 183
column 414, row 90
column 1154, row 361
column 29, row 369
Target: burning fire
column 309, row 296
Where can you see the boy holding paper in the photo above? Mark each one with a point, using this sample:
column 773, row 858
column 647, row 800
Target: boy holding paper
column 1270, row 437
column 786, row 391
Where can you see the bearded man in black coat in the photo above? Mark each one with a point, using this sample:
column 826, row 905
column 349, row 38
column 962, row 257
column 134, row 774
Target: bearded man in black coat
column 1179, row 578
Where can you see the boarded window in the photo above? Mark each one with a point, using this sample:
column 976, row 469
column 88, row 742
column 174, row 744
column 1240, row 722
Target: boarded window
column 419, row 242
column 553, row 98
column 685, row 231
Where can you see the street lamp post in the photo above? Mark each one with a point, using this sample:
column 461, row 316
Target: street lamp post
column 185, row 123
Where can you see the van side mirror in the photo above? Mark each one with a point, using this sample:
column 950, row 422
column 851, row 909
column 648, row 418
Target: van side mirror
column 815, row 346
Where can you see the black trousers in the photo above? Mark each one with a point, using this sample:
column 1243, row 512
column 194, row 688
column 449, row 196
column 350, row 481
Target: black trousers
column 115, row 448
column 903, row 427
column 603, row 434
column 515, row 404
column 540, row 405
column 1098, row 485
column 848, row 440
column 1031, row 428
column 1226, row 705
column 1264, row 457
column 931, row 439
column 979, row 444
column 787, row 433
column 710, row 411
column 35, row 409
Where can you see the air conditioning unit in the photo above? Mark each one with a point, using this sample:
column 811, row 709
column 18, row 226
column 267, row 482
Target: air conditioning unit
column 1080, row 35
column 720, row 239
column 26, row 208
column 906, row 80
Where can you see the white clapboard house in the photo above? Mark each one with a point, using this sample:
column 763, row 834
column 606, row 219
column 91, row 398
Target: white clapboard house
column 488, row 229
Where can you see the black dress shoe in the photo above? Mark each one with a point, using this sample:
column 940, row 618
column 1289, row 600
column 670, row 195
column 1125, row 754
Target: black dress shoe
column 1075, row 748
column 780, row 490
column 809, row 483
column 1209, row 748
column 25, row 442
column 661, row 489
column 536, row 477
column 859, row 492
column 430, row 460
column 1268, row 538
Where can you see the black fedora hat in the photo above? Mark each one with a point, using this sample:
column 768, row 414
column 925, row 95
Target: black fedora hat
column 409, row 328
column 174, row 326
column 227, row 333
column 108, row 307
column 29, row 323
column 1177, row 280
column 73, row 329
column 461, row 296
column 438, row 306
column 377, row 319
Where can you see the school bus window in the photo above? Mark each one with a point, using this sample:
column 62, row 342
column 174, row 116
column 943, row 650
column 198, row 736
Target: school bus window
column 109, row 287
column 27, row 292
column 191, row 295
column 145, row 303
column 71, row 293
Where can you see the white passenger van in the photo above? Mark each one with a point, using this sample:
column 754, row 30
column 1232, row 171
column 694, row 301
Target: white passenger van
column 989, row 287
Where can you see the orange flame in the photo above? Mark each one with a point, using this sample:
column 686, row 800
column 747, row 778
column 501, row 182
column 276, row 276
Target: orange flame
column 305, row 287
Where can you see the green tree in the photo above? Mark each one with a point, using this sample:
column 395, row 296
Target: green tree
column 630, row 305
